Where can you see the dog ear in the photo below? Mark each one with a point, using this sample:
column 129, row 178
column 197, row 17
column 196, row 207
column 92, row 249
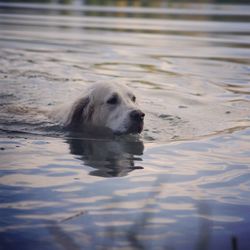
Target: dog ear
column 81, row 112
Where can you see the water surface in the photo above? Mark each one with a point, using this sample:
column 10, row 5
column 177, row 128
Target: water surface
column 183, row 184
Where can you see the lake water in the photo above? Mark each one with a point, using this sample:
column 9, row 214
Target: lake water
column 183, row 184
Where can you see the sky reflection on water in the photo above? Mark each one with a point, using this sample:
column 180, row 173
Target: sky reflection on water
column 183, row 184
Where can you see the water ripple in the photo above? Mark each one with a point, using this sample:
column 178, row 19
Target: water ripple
column 183, row 184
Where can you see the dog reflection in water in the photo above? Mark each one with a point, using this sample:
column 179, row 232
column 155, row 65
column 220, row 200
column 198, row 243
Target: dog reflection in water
column 110, row 158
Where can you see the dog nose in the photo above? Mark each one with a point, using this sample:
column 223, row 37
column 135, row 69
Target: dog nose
column 137, row 115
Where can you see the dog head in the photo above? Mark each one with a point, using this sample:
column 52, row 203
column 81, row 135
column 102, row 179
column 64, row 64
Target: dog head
column 112, row 106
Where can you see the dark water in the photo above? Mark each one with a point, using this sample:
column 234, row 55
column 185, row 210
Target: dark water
column 183, row 184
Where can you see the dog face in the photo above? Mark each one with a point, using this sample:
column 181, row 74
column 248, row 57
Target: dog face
column 112, row 106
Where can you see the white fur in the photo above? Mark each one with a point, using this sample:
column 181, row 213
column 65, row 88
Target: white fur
column 104, row 105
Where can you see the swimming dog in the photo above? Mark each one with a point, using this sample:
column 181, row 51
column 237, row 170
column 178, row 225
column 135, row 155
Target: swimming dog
column 111, row 106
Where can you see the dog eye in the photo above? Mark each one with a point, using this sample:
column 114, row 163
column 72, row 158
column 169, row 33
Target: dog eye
column 113, row 100
column 133, row 98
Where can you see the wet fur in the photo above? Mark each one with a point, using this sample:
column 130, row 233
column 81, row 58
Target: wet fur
column 94, row 110
column 79, row 108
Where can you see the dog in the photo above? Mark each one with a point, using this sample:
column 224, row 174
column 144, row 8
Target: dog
column 111, row 106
